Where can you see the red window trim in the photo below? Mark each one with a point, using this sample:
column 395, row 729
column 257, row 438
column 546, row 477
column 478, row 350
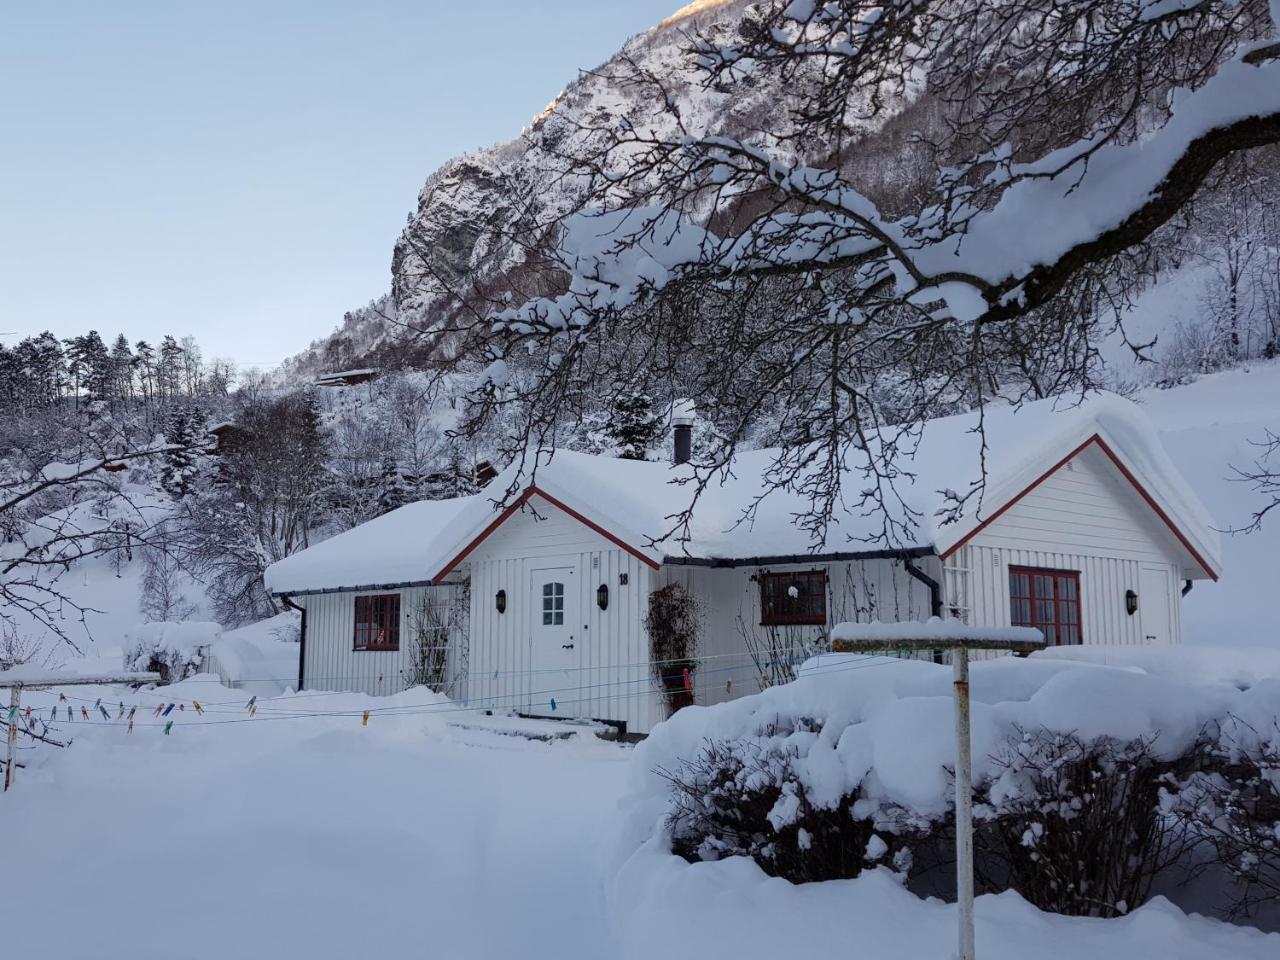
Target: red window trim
column 774, row 618
column 389, row 621
column 1031, row 573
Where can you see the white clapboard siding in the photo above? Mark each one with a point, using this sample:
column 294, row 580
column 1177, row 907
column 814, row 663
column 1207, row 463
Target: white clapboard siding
column 332, row 663
column 858, row 591
column 1084, row 517
column 612, row 680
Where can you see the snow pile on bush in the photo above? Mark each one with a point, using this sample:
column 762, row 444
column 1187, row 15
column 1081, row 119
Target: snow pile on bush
column 857, row 752
column 173, row 650
column 261, row 657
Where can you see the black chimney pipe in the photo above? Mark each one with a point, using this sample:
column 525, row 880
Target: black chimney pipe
column 682, row 416
column 683, row 442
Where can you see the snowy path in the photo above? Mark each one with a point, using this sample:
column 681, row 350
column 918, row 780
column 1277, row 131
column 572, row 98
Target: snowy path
column 294, row 843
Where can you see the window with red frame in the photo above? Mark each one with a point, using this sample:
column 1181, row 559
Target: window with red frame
column 788, row 599
column 378, row 622
column 1048, row 600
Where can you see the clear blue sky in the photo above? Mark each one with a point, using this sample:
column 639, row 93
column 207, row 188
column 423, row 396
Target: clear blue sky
column 239, row 170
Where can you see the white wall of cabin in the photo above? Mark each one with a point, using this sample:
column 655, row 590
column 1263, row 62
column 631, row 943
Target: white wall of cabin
column 1087, row 517
column 858, row 591
column 332, row 663
column 614, row 679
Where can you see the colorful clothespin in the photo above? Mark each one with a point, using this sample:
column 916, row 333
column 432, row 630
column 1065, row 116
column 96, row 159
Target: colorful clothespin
column 83, row 712
column 158, row 709
column 130, row 730
column 168, row 710
column 364, row 720
column 553, row 703
column 182, row 708
column 728, row 687
column 167, row 727
column 199, row 709
column 28, row 711
column 121, row 713
column 62, row 698
column 53, row 713
column 105, row 716
column 252, row 700
column 132, row 711
column 13, row 714
column 253, row 709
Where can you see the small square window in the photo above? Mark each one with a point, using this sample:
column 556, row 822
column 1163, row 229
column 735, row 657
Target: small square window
column 553, row 604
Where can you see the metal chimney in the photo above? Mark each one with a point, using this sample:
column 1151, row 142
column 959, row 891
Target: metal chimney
column 682, row 416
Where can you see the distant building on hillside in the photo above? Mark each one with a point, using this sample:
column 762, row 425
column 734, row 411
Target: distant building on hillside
column 347, row 378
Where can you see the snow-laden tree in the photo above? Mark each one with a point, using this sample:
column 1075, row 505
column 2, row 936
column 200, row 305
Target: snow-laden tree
column 1045, row 148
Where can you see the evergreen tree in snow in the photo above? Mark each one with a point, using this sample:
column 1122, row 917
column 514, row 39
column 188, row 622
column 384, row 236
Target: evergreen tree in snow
column 634, row 427
column 180, row 468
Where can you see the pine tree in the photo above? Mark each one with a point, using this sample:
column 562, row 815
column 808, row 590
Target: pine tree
column 634, row 426
column 185, row 426
column 169, row 370
column 121, row 368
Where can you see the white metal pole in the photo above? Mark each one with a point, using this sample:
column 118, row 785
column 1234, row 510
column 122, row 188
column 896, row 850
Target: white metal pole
column 964, row 804
column 15, row 692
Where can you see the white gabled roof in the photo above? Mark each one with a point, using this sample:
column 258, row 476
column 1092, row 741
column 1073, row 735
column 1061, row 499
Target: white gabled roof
column 635, row 503
column 394, row 549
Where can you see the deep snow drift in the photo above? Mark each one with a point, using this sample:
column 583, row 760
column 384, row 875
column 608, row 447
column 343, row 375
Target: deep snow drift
column 300, row 831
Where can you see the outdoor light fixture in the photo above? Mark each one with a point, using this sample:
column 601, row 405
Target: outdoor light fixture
column 602, row 596
column 500, row 601
column 1130, row 602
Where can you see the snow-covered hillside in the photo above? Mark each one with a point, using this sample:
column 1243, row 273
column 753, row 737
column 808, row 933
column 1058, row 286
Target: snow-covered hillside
column 1209, row 427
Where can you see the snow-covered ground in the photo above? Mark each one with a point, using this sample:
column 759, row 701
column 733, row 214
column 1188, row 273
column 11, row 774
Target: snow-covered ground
column 1209, row 427
column 301, row 832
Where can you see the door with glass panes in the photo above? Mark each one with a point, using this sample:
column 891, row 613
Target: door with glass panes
column 554, row 637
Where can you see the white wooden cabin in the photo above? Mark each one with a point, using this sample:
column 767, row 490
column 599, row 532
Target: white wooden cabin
column 1084, row 530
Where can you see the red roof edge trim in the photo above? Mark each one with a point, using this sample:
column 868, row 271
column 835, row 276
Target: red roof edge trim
column 1124, row 471
column 560, row 505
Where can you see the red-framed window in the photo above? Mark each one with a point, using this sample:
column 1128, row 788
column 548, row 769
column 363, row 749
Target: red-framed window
column 378, row 622
column 1048, row 600
column 788, row 599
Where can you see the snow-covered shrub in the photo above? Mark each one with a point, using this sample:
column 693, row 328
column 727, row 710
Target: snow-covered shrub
column 1077, row 767
column 1075, row 826
column 173, row 650
column 1232, row 802
column 746, row 798
column 674, row 623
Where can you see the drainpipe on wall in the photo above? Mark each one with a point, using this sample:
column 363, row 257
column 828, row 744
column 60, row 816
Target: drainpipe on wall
column 935, row 589
column 302, row 638
column 935, row 592
column 1186, row 586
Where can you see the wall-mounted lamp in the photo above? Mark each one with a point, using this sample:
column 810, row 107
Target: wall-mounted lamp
column 1130, row 602
column 500, row 601
column 602, row 596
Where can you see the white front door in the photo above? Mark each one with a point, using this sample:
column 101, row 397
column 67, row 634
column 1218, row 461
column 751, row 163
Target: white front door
column 554, row 637
column 1155, row 605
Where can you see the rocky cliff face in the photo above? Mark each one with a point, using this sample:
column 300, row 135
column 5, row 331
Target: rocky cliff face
column 460, row 238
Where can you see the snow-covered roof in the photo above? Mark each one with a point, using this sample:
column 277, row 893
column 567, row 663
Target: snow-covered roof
column 397, row 548
column 363, row 372
column 635, row 503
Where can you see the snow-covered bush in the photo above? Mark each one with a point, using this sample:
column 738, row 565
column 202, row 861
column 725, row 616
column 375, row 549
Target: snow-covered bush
column 173, row 650
column 1233, row 804
column 1077, row 768
column 1076, row 826
column 745, row 798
